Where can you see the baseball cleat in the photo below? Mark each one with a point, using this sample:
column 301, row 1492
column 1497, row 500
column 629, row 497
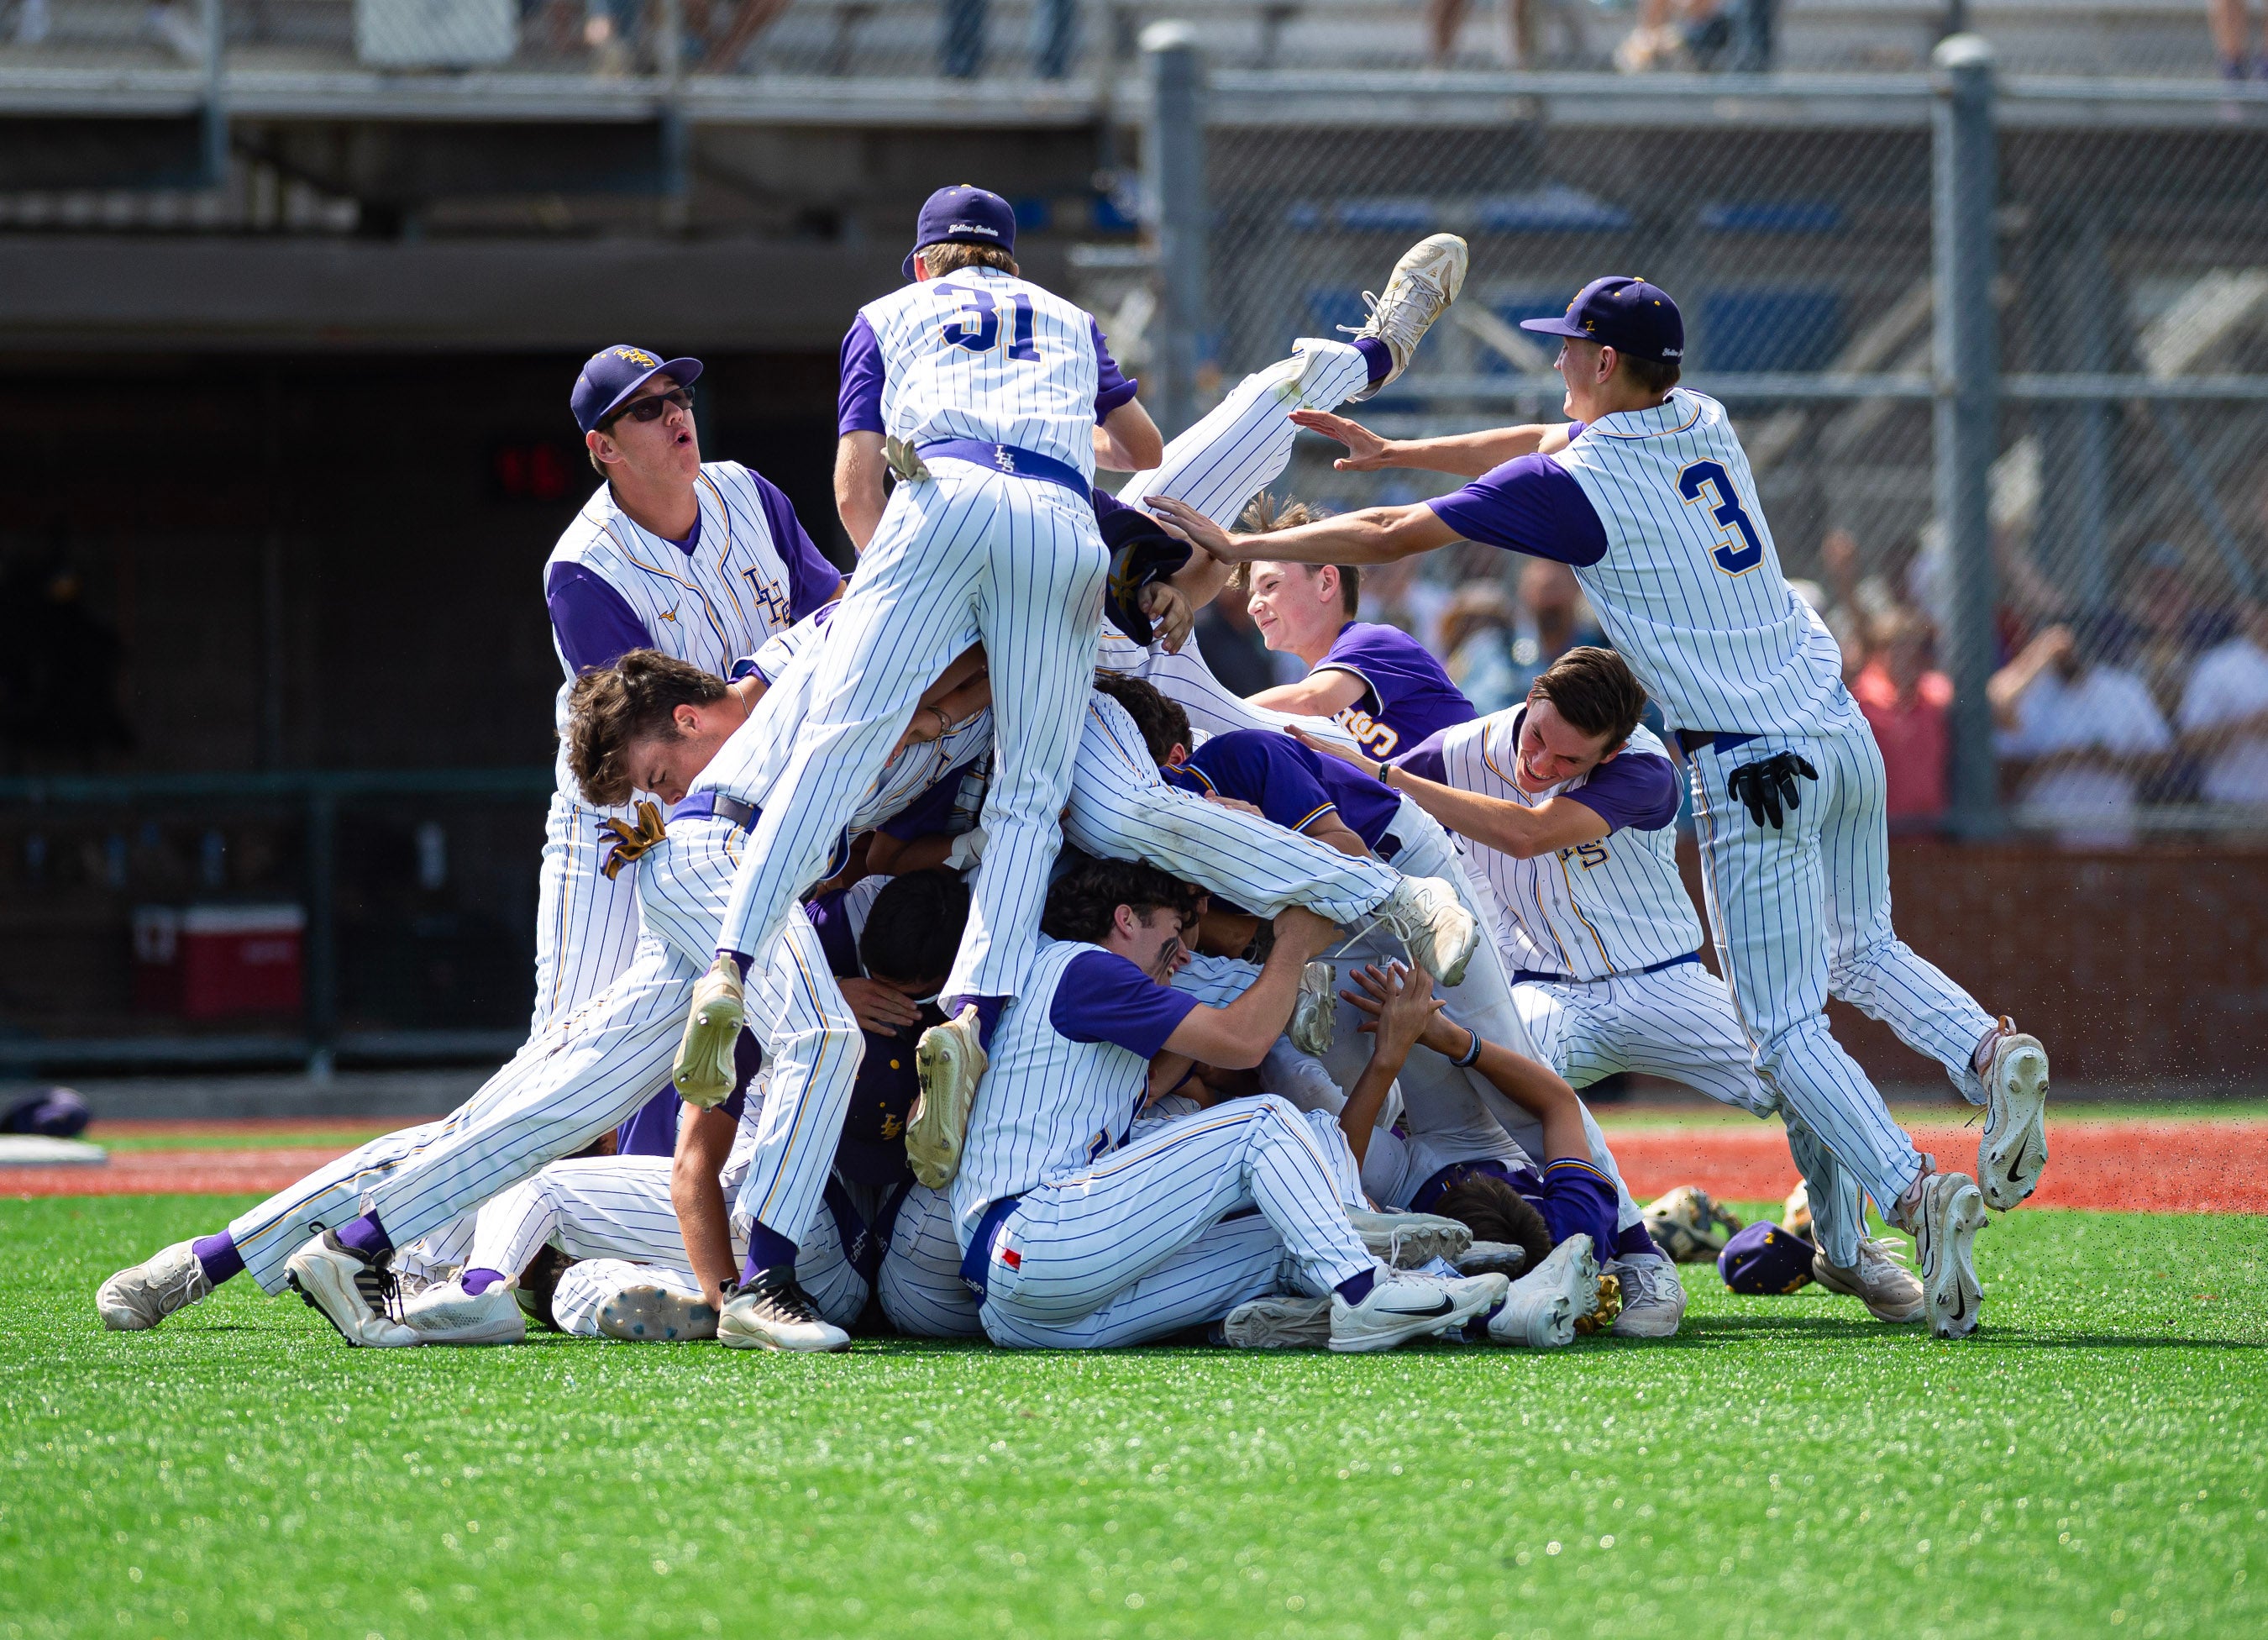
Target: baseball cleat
column 774, row 1313
column 703, row 1073
column 1653, row 1299
column 949, row 1061
column 345, row 1289
column 1434, row 923
column 1880, row 1280
column 1945, row 1222
column 1406, row 1240
column 1316, row 1010
column 1419, row 291
column 138, row 1298
column 1285, row 1322
column 1497, row 1258
column 448, row 1314
column 649, row 1312
column 1606, row 1304
column 2013, row 1151
column 1539, row 1310
column 1401, row 1306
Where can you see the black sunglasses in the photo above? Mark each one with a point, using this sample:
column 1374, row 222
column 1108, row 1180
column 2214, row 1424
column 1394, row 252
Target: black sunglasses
column 652, row 406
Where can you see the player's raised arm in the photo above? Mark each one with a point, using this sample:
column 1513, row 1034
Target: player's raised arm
column 1521, row 832
column 1239, row 1036
column 1466, row 455
column 1376, row 534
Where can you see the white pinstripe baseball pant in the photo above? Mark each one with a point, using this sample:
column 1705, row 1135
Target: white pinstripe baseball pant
column 1679, row 1023
column 586, row 924
column 1805, row 910
column 1134, row 1247
column 1024, row 559
column 1121, row 808
column 812, row 1054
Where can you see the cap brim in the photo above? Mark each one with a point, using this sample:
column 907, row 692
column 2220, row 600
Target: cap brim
column 684, row 371
column 1561, row 326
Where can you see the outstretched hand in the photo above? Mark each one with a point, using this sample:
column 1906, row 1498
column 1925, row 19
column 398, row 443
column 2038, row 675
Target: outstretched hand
column 1192, row 526
column 1163, row 602
column 1366, row 451
column 1343, row 753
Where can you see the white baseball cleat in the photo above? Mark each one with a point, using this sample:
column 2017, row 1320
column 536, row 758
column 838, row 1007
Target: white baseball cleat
column 1419, row 291
column 1316, row 1010
column 1880, row 1280
column 2013, row 1151
column 1401, row 1306
column 774, row 1313
column 704, row 1071
column 1945, row 1222
column 1500, row 1258
column 1406, row 1240
column 138, row 1298
column 1540, row 1310
column 447, row 1314
column 1434, row 923
column 645, row 1312
column 1653, row 1299
column 949, row 1061
column 339, row 1284
column 1284, row 1321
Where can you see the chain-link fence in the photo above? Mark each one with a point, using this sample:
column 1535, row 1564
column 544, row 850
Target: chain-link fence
column 1044, row 40
column 2125, row 657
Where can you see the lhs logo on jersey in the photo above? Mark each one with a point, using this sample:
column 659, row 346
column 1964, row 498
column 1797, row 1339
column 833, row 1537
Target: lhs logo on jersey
column 773, row 601
column 1372, row 735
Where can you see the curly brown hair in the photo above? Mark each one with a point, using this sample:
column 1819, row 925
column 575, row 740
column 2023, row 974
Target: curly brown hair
column 635, row 699
column 1494, row 1211
column 1083, row 902
column 1164, row 725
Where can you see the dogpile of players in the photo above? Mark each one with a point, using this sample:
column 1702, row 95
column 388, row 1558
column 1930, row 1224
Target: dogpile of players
column 947, row 953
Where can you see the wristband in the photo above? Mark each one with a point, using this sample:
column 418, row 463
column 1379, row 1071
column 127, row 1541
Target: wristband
column 1471, row 1055
column 1382, row 767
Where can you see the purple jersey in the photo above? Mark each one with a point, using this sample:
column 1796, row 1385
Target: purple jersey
column 1290, row 783
column 1102, row 997
column 1406, row 696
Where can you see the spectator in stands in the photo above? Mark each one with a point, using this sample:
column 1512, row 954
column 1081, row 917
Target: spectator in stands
column 2231, row 24
column 2081, row 732
column 1908, row 704
column 1232, row 646
column 1520, row 41
column 1550, row 618
column 960, row 49
column 1476, row 642
column 1698, row 33
column 2224, row 714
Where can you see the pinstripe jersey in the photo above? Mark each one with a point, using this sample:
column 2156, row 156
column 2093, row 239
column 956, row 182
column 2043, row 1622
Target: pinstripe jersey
column 1587, row 911
column 710, row 607
column 981, row 354
column 1691, row 589
column 1046, row 1102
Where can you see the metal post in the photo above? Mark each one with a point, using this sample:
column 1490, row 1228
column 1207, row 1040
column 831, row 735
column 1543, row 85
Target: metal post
column 1967, row 422
column 1173, row 200
column 676, row 207
column 322, row 953
column 214, row 18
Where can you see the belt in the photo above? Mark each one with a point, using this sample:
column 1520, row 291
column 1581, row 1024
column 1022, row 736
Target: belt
column 1529, row 976
column 1690, row 740
column 976, row 1263
column 703, row 805
column 1456, row 1173
column 1006, row 458
column 1389, row 846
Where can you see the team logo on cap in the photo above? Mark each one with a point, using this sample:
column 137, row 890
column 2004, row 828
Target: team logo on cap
column 636, row 355
column 973, row 227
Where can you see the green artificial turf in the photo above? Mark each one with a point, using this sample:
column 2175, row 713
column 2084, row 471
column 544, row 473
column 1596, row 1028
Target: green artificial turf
column 2096, row 1461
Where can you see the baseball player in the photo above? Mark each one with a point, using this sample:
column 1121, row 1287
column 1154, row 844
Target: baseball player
column 1568, row 805
column 989, row 396
column 1077, row 1236
column 1647, row 494
column 699, row 560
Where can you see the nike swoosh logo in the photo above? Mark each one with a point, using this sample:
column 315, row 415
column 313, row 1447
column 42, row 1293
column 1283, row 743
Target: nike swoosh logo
column 1441, row 1309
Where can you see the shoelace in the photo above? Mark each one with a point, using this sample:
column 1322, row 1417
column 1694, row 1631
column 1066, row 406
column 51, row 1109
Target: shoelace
column 380, row 1290
column 1884, row 1251
column 1399, row 318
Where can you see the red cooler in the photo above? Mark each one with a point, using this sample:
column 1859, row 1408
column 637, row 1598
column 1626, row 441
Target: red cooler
column 211, row 962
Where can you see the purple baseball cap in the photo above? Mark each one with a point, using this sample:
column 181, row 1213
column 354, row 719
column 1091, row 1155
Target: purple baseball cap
column 613, row 374
column 1765, row 1259
column 1623, row 313
column 964, row 215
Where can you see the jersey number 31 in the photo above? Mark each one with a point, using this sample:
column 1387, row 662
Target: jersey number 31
column 977, row 327
column 1710, row 479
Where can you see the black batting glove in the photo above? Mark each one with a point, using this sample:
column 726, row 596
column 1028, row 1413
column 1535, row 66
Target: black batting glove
column 1769, row 788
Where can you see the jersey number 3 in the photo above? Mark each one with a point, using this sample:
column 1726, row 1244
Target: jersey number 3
column 977, row 327
column 1710, row 479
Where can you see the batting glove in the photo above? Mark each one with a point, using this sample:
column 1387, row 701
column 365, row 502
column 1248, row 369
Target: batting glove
column 1768, row 788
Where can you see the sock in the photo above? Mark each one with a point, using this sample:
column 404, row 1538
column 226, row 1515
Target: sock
column 366, row 1236
column 478, row 1281
column 768, row 1250
column 1634, row 1243
column 1377, row 355
column 218, row 1255
column 1355, row 1288
column 1980, row 1059
column 740, row 958
column 988, row 1013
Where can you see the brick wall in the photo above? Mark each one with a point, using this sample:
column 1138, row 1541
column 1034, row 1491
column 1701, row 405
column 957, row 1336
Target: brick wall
column 2141, row 967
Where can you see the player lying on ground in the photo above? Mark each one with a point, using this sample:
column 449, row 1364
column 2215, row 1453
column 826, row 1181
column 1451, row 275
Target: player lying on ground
column 1568, row 806
column 658, row 1243
column 1076, row 1235
column 1292, row 785
column 1646, row 493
